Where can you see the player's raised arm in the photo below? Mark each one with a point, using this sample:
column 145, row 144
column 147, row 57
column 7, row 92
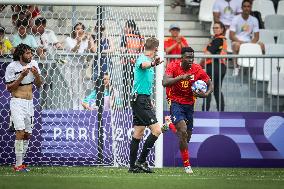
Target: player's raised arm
column 157, row 61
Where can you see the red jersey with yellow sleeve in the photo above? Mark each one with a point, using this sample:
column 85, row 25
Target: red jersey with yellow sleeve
column 181, row 91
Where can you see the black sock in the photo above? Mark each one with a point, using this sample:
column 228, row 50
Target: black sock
column 134, row 145
column 149, row 143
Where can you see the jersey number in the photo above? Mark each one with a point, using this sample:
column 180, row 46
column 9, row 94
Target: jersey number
column 184, row 84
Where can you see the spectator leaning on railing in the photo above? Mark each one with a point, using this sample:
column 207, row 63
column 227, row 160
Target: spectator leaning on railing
column 80, row 41
column 22, row 36
column 216, row 68
column 132, row 42
column 45, row 38
column 106, row 47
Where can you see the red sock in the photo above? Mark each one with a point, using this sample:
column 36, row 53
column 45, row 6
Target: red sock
column 173, row 128
column 185, row 157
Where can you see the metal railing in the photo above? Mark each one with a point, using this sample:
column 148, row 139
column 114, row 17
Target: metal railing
column 259, row 86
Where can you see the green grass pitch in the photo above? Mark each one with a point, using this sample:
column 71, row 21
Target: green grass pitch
column 116, row 178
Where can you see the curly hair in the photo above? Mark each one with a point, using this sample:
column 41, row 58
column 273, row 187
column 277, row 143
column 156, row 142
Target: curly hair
column 20, row 50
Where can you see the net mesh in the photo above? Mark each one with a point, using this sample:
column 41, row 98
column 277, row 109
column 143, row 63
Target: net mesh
column 82, row 112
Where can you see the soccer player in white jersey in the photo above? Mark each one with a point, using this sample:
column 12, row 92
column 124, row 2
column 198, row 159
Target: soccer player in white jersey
column 20, row 76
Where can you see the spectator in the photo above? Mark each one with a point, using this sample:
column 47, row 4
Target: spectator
column 46, row 39
column 106, row 47
column 132, row 42
column 89, row 102
column 30, row 12
column 175, row 42
column 225, row 10
column 218, row 45
column 22, row 37
column 243, row 27
column 257, row 15
column 15, row 17
column 79, row 41
column 5, row 45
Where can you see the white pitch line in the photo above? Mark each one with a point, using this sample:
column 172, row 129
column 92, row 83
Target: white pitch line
column 140, row 176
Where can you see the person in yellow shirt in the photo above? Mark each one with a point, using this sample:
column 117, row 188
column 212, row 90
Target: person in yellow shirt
column 5, row 45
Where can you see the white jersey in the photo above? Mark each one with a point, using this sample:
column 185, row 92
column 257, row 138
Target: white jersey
column 227, row 10
column 244, row 29
column 14, row 70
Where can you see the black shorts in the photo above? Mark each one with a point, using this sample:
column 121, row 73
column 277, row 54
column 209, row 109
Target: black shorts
column 143, row 112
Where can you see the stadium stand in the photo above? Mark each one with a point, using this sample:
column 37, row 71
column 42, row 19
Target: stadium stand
column 248, row 49
column 274, row 85
column 280, row 9
column 264, row 67
column 265, row 7
column 266, row 36
column 274, row 22
column 280, row 38
column 205, row 11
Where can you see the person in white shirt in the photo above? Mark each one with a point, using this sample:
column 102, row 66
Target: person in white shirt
column 225, row 10
column 20, row 75
column 244, row 29
column 45, row 38
column 80, row 41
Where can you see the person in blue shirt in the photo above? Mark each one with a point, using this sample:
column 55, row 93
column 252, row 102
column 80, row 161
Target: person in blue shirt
column 89, row 102
column 143, row 110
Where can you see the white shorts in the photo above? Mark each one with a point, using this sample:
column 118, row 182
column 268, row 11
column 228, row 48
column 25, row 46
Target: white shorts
column 22, row 114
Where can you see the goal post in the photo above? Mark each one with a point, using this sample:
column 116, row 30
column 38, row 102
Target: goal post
column 69, row 83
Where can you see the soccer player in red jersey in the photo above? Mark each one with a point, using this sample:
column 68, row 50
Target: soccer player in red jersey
column 180, row 76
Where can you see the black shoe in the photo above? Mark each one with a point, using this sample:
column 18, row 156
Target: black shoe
column 135, row 169
column 144, row 166
column 12, row 128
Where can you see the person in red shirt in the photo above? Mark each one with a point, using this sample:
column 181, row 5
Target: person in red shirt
column 175, row 42
column 180, row 76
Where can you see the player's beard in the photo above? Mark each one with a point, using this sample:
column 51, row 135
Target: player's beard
column 186, row 64
column 26, row 60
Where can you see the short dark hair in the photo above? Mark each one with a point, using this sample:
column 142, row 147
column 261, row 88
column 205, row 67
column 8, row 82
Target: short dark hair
column 23, row 22
column 187, row 49
column 246, row 1
column 20, row 50
column 40, row 21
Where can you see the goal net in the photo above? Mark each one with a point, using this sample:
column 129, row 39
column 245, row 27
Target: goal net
column 82, row 112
